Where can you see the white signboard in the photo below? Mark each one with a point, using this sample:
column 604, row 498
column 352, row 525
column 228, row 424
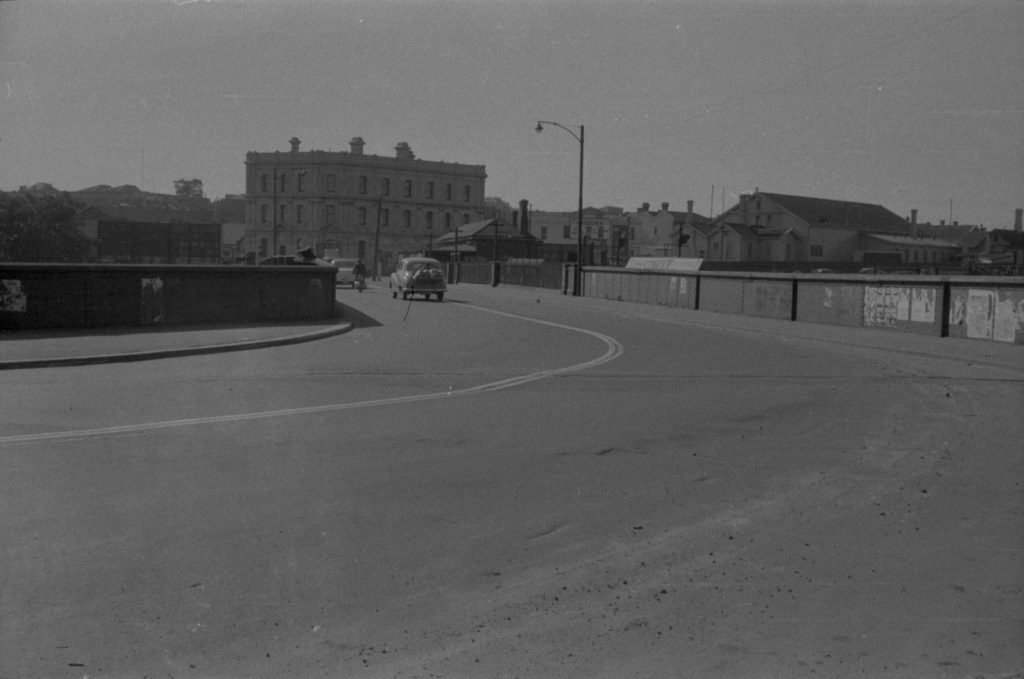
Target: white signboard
column 665, row 263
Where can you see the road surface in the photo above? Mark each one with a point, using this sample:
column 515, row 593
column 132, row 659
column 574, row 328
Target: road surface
column 513, row 483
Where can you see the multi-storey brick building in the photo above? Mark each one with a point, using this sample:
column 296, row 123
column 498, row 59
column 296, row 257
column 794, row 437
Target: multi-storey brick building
column 347, row 203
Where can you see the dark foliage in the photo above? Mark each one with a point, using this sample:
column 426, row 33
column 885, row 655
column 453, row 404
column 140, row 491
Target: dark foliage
column 40, row 228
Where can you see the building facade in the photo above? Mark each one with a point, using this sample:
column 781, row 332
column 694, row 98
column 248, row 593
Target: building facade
column 351, row 204
column 772, row 227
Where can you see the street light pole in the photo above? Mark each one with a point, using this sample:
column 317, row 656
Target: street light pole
column 578, row 273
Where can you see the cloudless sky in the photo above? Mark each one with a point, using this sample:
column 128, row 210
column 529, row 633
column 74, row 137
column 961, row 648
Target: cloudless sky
column 907, row 104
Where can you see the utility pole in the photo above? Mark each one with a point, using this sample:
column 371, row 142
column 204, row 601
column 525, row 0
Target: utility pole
column 376, row 243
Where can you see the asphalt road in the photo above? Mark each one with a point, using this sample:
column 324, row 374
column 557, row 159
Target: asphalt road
column 517, row 484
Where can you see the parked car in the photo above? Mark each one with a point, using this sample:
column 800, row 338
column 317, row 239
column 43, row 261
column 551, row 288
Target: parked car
column 345, row 274
column 418, row 276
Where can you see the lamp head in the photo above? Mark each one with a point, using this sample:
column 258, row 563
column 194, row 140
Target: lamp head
column 539, row 128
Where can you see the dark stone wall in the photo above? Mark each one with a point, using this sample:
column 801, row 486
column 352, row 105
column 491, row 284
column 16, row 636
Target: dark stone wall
column 103, row 295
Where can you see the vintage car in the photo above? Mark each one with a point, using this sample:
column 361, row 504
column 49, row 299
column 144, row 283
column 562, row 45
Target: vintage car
column 345, row 274
column 418, row 276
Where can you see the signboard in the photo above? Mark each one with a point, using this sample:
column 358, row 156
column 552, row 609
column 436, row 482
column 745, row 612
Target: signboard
column 665, row 263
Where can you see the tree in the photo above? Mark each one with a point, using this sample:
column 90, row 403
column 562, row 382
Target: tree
column 40, row 228
column 189, row 187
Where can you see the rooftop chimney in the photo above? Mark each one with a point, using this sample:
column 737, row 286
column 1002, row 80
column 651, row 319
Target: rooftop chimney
column 403, row 151
column 689, row 213
column 357, row 145
column 664, row 207
column 1017, row 219
column 294, row 141
column 913, row 223
column 524, row 217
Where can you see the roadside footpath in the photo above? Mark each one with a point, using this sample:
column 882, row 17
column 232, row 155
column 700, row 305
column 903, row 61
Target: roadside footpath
column 44, row 349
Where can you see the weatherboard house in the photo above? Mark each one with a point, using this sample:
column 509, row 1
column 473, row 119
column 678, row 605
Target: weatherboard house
column 775, row 227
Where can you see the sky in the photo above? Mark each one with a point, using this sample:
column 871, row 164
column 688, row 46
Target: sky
column 910, row 104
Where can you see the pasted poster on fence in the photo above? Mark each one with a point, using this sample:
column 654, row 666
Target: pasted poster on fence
column 885, row 305
column 12, row 297
column 989, row 317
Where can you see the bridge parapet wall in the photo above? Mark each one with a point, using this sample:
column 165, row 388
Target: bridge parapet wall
column 974, row 307
column 36, row 296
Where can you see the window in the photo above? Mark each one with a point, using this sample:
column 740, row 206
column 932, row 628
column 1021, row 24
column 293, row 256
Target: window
column 284, row 213
column 543, row 233
column 385, row 187
column 301, row 181
column 750, row 250
column 408, row 188
column 465, row 219
column 600, row 232
column 300, row 211
column 264, row 184
column 385, row 217
column 567, row 231
column 447, row 221
column 817, row 251
column 447, row 191
column 264, row 210
column 284, row 182
column 430, row 190
column 466, row 193
column 407, row 219
column 362, row 216
column 263, row 247
column 330, row 214
column 430, row 221
column 332, row 182
column 362, row 185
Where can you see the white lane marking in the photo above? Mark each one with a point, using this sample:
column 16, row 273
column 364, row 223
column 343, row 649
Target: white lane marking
column 613, row 351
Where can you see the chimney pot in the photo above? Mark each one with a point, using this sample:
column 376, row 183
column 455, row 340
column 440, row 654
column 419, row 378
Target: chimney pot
column 404, row 151
column 1018, row 216
column 295, row 141
column 357, row 145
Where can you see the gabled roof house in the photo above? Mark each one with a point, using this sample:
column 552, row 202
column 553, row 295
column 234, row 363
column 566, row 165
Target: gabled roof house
column 779, row 227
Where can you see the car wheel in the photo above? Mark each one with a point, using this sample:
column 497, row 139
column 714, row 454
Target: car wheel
column 440, row 297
